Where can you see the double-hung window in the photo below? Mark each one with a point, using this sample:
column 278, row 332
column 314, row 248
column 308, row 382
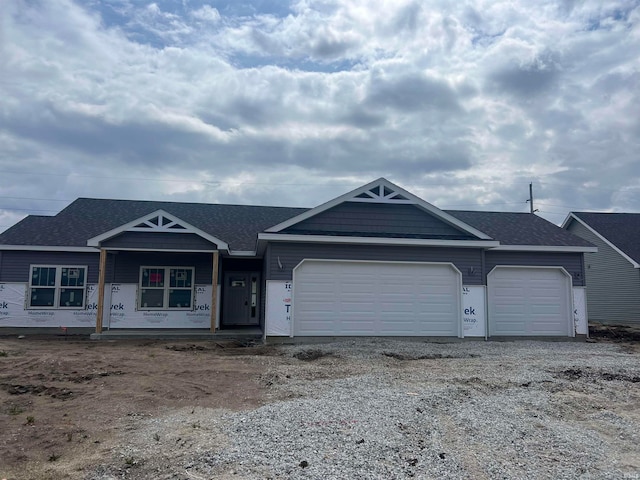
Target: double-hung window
column 57, row 286
column 166, row 288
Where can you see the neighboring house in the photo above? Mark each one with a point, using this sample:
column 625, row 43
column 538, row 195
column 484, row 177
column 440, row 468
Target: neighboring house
column 375, row 261
column 613, row 272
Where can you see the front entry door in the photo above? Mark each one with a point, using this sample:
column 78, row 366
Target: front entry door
column 241, row 297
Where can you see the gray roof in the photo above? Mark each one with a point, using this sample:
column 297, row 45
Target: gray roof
column 621, row 229
column 239, row 225
column 86, row 218
column 519, row 229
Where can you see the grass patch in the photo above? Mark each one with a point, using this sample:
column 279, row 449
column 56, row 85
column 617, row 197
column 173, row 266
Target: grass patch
column 15, row 409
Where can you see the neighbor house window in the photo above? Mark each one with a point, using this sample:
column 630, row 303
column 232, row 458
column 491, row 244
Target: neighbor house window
column 164, row 288
column 57, row 286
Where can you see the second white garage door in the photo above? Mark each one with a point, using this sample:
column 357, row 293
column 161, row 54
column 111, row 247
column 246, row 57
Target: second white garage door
column 529, row 301
column 353, row 298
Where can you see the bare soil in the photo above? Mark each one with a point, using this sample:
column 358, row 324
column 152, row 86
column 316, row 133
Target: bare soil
column 64, row 403
column 75, row 408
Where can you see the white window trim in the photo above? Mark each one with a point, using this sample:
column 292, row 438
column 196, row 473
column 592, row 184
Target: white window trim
column 166, row 288
column 57, row 287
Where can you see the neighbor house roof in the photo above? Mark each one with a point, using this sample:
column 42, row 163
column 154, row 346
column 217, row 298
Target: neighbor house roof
column 239, row 225
column 619, row 229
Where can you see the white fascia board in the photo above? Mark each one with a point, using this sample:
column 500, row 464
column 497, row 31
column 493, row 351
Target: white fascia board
column 95, row 241
column 544, row 248
column 167, row 250
column 242, row 253
column 414, row 200
column 283, row 237
column 47, row 248
column 571, row 216
column 567, row 220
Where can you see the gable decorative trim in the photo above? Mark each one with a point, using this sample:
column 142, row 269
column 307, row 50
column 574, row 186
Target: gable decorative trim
column 382, row 191
column 157, row 222
column 381, row 194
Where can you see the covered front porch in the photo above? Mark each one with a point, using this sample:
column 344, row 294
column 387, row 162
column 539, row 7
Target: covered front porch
column 161, row 277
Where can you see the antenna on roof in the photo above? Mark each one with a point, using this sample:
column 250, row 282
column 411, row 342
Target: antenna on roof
column 530, row 200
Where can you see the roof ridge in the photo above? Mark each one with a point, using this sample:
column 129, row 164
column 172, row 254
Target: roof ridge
column 123, row 200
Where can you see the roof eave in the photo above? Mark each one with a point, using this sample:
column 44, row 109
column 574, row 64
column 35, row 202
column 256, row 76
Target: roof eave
column 285, row 237
column 48, row 248
column 546, row 248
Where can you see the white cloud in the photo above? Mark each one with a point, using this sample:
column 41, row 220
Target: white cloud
column 206, row 13
column 464, row 102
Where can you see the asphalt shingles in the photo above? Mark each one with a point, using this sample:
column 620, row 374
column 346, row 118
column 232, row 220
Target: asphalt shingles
column 621, row 229
column 239, row 225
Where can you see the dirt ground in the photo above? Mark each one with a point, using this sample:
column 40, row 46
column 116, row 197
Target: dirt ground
column 66, row 404
column 63, row 403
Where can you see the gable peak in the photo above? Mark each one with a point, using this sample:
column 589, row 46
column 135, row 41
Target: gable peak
column 379, row 191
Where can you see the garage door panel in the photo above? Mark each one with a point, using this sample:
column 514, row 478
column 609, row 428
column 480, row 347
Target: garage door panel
column 546, row 310
column 314, row 287
column 377, row 298
column 354, row 309
column 529, row 301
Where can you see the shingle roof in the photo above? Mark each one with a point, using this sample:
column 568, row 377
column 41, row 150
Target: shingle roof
column 519, row 229
column 86, row 218
column 239, row 225
column 621, row 229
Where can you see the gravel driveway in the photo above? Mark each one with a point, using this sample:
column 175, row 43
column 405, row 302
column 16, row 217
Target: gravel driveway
column 393, row 409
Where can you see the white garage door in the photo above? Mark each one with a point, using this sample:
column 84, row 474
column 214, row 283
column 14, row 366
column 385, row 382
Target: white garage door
column 345, row 298
column 529, row 301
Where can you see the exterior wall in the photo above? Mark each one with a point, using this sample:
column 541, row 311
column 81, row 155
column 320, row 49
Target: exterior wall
column 572, row 263
column 151, row 240
column 122, row 268
column 613, row 283
column 467, row 260
column 15, row 264
column 379, row 219
column 127, row 265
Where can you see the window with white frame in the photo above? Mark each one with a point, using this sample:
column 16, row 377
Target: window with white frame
column 57, row 286
column 163, row 288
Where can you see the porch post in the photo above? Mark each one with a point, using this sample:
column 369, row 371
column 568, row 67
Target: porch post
column 214, row 293
column 101, row 276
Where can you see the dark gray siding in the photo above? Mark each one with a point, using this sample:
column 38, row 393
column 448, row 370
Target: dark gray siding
column 150, row 240
column 467, row 260
column 127, row 265
column 572, row 262
column 15, row 264
column 613, row 285
column 379, row 219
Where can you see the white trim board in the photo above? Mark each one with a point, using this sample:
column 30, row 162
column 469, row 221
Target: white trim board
column 544, row 248
column 571, row 216
column 168, row 250
column 284, row 237
column 47, row 248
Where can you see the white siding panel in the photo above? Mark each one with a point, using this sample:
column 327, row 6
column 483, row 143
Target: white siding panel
column 346, row 298
column 529, row 301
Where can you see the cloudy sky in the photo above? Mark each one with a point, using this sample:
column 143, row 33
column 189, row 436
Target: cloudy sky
column 292, row 103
